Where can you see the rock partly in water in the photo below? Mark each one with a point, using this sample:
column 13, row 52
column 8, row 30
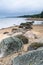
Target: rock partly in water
column 9, row 45
column 30, row 58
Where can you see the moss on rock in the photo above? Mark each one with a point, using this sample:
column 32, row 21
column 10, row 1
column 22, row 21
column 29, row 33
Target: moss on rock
column 23, row 38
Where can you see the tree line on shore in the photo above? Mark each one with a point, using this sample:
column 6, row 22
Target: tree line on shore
column 40, row 15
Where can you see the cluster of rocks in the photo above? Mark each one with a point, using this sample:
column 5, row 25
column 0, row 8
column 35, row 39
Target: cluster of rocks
column 12, row 44
column 34, row 56
column 15, row 43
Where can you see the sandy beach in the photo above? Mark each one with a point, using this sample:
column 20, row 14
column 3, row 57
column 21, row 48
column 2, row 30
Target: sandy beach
column 37, row 29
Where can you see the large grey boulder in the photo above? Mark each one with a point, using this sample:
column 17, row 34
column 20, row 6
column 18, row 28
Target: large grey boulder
column 31, row 58
column 9, row 45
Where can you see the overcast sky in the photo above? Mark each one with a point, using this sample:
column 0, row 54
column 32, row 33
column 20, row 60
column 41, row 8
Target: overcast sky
column 20, row 7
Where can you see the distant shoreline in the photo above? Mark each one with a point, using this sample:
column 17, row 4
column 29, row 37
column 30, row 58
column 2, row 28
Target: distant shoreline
column 18, row 25
column 35, row 19
column 27, row 20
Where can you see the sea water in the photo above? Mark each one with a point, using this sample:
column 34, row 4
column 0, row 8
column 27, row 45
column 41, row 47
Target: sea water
column 7, row 22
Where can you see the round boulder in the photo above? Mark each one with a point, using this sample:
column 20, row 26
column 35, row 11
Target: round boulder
column 9, row 45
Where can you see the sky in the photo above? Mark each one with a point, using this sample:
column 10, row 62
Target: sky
column 20, row 7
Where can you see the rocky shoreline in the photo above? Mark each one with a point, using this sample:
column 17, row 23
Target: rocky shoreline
column 34, row 38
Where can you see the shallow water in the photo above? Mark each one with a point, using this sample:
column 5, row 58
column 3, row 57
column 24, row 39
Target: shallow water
column 7, row 22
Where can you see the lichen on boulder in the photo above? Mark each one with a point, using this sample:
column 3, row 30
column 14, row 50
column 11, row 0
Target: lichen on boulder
column 31, row 58
column 9, row 45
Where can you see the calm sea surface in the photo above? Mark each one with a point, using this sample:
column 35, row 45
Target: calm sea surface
column 6, row 22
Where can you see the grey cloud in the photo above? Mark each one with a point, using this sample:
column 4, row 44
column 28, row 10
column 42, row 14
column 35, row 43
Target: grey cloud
column 21, row 6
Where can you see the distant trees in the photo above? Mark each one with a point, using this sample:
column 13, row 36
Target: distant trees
column 38, row 15
column 42, row 14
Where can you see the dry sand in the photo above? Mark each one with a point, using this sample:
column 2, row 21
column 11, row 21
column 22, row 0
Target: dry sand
column 37, row 29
